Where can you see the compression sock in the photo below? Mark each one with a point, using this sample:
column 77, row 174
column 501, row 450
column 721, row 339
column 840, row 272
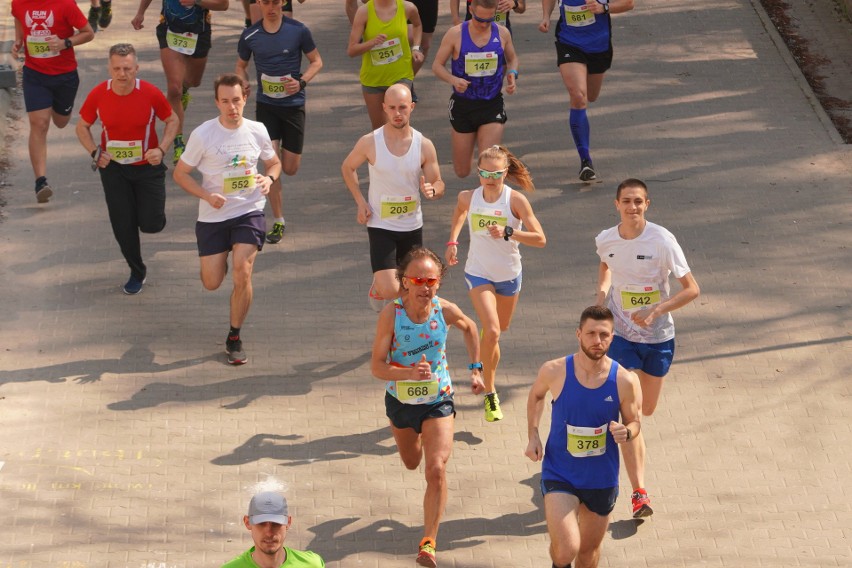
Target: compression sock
column 580, row 131
column 234, row 334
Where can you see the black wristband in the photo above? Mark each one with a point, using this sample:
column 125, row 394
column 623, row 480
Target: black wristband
column 302, row 84
column 95, row 151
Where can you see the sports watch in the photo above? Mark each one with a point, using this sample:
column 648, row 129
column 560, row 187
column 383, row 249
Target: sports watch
column 507, row 232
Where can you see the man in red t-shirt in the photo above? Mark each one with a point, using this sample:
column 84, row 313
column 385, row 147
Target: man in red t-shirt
column 45, row 29
column 129, row 156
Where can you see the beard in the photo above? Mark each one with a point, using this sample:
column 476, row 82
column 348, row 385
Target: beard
column 593, row 355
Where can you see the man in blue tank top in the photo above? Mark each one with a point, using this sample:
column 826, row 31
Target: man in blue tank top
column 583, row 55
column 579, row 474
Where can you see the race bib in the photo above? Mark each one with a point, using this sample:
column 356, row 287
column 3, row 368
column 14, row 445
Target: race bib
column 481, row 64
column 417, row 392
column 637, row 297
column 239, row 182
column 37, row 47
column 586, row 442
column 501, row 18
column 273, row 87
column 387, row 52
column 480, row 219
column 125, row 151
column 397, row 207
column 577, row 16
column 182, row 42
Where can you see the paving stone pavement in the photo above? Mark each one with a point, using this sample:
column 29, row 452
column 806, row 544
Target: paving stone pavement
column 126, row 440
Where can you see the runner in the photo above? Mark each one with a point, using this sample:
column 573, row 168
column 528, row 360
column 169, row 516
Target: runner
column 226, row 150
column 583, row 55
column 185, row 38
column 504, row 7
column 579, row 473
column 637, row 257
column 428, row 11
column 402, row 162
column 409, row 352
column 50, row 79
column 277, row 44
column 481, row 51
column 254, row 14
column 495, row 215
column 380, row 36
column 100, row 14
column 129, row 156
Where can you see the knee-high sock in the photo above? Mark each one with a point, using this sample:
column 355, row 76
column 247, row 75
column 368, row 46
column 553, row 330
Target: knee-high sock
column 580, row 131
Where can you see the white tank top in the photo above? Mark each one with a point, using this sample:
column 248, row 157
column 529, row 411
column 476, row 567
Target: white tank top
column 394, row 193
column 494, row 259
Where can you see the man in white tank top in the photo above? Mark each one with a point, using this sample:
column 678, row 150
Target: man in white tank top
column 403, row 165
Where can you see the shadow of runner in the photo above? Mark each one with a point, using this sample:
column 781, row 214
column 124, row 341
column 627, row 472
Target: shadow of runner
column 137, row 359
column 249, row 388
column 333, row 448
column 388, row 536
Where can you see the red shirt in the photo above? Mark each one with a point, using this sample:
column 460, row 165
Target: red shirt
column 128, row 118
column 41, row 19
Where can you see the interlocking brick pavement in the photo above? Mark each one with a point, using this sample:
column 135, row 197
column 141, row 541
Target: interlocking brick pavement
column 126, row 440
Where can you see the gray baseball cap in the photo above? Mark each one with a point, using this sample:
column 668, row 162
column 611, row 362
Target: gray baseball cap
column 268, row 507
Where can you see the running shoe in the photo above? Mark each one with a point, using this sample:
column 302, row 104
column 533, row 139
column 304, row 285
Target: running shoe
column 94, row 16
column 426, row 556
column 43, row 191
column 377, row 303
column 180, row 146
column 587, row 171
column 234, row 349
column 185, row 98
column 106, row 15
column 273, row 237
column 492, row 408
column 133, row 286
column 641, row 504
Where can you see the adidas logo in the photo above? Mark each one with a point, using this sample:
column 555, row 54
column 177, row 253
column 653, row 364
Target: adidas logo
column 608, row 399
column 495, row 40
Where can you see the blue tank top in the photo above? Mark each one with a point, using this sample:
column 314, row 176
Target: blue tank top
column 582, row 29
column 482, row 66
column 184, row 19
column 581, row 418
column 410, row 342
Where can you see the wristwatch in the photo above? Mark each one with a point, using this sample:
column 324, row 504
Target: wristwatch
column 68, row 44
column 302, row 84
column 508, row 232
column 628, row 433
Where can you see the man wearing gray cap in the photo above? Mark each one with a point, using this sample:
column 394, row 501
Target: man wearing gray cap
column 268, row 520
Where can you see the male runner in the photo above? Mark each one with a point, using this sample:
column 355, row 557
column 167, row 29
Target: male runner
column 637, row 257
column 253, row 12
column 579, row 473
column 129, row 156
column 277, row 44
column 268, row 520
column 402, row 162
column 46, row 29
column 226, row 150
column 583, row 55
column 185, row 38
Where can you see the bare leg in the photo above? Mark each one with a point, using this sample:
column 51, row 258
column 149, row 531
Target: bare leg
column 243, row 261
column 213, row 269
column 39, row 125
column 374, row 108
column 437, row 446
column 634, row 452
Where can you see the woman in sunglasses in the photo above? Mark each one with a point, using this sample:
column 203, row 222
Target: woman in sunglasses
column 409, row 352
column 499, row 219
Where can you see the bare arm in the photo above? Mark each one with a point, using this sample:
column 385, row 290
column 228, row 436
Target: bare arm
column 630, row 395
column 83, row 35
column 413, row 16
column 349, row 171
column 456, row 224
column 546, row 12
column 379, row 365
column 172, row 124
column 137, row 20
column 183, row 178
column 533, row 234
column 314, row 65
column 547, row 375
column 450, row 45
column 604, row 284
column 213, row 5
column 511, row 60
column 689, row 291
column 454, row 12
column 431, row 184
column 84, row 135
column 271, row 167
column 455, row 317
column 521, row 6
column 357, row 47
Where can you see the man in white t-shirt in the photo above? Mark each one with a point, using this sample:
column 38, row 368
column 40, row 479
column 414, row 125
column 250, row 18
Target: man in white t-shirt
column 637, row 257
column 403, row 165
column 226, row 150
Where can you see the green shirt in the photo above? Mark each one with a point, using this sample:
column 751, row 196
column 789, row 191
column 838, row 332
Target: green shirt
column 295, row 559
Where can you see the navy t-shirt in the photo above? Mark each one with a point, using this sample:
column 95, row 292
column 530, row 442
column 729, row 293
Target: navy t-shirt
column 276, row 55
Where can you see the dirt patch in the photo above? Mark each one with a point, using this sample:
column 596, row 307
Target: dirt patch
column 801, row 35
